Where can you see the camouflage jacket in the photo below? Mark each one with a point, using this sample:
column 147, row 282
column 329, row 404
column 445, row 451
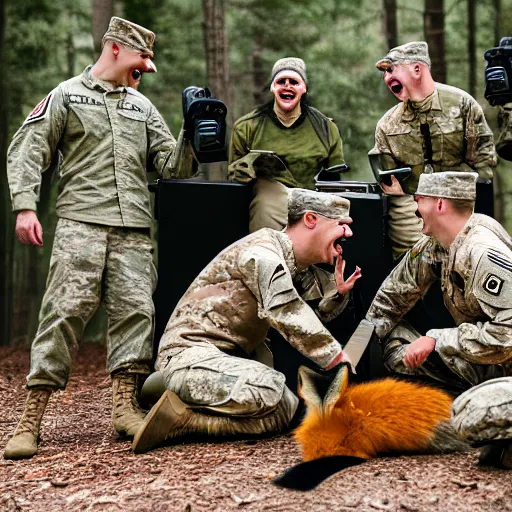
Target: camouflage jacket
column 311, row 143
column 106, row 136
column 460, row 138
column 476, row 279
column 251, row 286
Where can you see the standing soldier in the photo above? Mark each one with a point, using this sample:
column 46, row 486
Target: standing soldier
column 471, row 254
column 435, row 126
column 107, row 134
column 304, row 138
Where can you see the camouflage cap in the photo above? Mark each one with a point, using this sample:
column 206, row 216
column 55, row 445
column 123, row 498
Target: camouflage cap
column 132, row 35
column 417, row 51
column 332, row 206
column 291, row 64
column 449, row 185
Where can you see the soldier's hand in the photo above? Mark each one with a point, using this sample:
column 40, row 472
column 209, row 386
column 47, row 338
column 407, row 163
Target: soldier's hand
column 417, row 352
column 343, row 285
column 395, row 189
column 28, row 228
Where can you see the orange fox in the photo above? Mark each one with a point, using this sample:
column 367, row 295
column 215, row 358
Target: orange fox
column 361, row 421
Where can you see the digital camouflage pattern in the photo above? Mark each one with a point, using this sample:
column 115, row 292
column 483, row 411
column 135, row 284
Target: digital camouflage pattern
column 504, row 142
column 449, row 185
column 84, row 254
column 130, row 34
column 476, row 280
column 416, row 51
column 250, row 286
column 484, row 412
column 331, row 206
column 108, row 136
column 460, row 136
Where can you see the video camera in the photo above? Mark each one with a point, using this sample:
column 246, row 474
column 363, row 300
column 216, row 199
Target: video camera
column 204, row 124
column 498, row 73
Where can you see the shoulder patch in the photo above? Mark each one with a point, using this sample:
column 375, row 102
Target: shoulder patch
column 492, row 283
column 40, row 110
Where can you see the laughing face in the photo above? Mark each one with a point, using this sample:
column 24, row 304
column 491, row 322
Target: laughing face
column 328, row 235
column 288, row 88
column 135, row 64
column 401, row 81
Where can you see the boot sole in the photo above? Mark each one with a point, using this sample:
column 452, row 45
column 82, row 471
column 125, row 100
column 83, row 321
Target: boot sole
column 159, row 422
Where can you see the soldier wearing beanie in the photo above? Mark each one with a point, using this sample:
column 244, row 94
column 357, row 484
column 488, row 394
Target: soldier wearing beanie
column 209, row 355
column 303, row 138
column 472, row 256
column 108, row 134
column 435, row 126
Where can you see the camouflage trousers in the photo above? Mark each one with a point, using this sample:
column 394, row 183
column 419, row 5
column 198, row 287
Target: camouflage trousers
column 221, row 384
column 89, row 264
column 269, row 207
column 404, row 227
column 455, row 372
column 484, row 412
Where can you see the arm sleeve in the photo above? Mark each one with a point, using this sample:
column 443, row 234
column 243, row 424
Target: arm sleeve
column 161, row 144
column 406, row 284
column 33, row 148
column 279, row 302
column 490, row 341
column 480, row 150
column 336, row 150
column 382, row 147
column 238, row 144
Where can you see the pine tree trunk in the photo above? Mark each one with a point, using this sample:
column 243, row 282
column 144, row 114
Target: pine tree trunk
column 497, row 21
column 259, row 74
column 434, row 35
column 472, row 47
column 390, row 23
column 216, row 50
column 6, row 217
column 102, row 11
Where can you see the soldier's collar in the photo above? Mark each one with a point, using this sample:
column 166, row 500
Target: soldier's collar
column 459, row 239
column 408, row 113
column 289, row 255
column 92, row 82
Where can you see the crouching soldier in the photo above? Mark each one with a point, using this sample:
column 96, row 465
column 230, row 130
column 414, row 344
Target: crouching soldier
column 206, row 355
column 472, row 256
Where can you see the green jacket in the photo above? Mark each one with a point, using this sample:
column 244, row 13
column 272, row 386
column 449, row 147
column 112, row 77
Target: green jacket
column 106, row 137
column 311, row 143
column 460, row 138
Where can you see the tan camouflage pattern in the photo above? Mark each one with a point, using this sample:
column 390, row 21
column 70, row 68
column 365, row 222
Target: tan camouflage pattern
column 302, row 200
column 476, row 276
column 292, row 64
column 90, row 264
column 450, row 185
column 205, row 376
column 416, row 51
column 130, row 34
column 108, row 137
column 251, row 286
column 484, row 412
column 461, row 138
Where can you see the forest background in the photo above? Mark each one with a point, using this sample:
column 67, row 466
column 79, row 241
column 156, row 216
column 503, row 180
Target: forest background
column 230, row 46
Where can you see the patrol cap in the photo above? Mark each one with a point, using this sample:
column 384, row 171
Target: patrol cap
column 332, row 206
column 417, row 51
column 132, row 35
column 290, row 64
column 449, row 185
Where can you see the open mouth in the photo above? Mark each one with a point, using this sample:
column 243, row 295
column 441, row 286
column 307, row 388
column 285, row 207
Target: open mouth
column 396, row 86
column 288, row 96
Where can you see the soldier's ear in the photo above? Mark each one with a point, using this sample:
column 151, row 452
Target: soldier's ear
column 310, row 219
column 115, row 49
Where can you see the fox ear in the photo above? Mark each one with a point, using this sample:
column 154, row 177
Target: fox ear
column 308, row 388
column 336, row 391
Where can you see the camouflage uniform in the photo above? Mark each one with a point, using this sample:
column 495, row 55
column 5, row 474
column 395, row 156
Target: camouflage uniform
column 207, row 351
column 476, row 283
column 458, row 139
column 107, row 137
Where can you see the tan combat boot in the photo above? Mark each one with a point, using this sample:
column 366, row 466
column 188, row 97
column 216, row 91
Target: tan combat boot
column 127, row 415
column 23, row 443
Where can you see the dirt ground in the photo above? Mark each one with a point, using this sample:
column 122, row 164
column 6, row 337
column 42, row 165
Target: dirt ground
column 82, row 465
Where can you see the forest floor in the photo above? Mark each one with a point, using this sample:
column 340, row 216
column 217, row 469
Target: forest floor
column 82, row 465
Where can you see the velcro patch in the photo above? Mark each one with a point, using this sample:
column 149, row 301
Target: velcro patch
column 493, row 284
column 40, row 110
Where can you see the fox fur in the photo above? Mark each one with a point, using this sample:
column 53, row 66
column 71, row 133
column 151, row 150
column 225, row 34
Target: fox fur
column 373, row 418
